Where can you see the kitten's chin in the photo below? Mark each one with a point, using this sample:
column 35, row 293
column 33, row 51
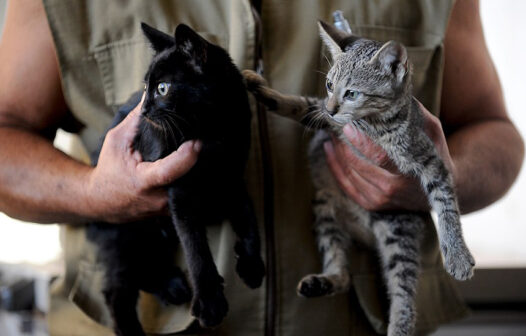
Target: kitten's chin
column 343, row 119
column 337, row 120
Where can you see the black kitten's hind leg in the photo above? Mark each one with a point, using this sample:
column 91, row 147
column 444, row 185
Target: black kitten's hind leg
column 209, row 304
column 250, row 266
column 174, row 288
column 122, row 301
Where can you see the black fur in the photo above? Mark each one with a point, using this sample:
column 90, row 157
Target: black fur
column 207, row 101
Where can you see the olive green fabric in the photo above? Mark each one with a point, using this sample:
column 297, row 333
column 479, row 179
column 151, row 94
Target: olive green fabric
column 103, row 57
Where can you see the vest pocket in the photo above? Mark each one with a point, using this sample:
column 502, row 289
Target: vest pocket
column 123, row 64
column 437, row 300
column 425, row 53
column 155, row 316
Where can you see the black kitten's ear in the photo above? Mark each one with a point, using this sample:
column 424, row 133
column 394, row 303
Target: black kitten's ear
column 159, row 40
column 189, row 42
column 392, row 57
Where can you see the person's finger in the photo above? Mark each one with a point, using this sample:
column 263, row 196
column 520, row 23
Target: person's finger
column 367, row 170
column 127, row 128
column 366, row 146
column 341, row 177
column 373, row 182
column 170, row 168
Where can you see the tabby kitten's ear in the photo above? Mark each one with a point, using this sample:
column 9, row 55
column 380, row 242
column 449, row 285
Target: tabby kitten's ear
column 332, row 37
column 392, row 58
column 159, row 40
column 189, row 42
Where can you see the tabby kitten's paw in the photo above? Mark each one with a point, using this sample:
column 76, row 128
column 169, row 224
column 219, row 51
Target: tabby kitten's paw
column 458, row 261
column 314, row 285
column 253, row 80
column 250, row 268
column 210, row 307
column 259, row 88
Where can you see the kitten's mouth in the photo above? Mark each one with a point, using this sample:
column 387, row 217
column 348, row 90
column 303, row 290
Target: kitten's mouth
column 332, row 117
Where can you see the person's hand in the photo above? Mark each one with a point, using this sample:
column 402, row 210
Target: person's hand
column 374, row 182
column 122, row 187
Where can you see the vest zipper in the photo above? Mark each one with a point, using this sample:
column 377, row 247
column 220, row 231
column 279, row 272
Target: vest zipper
column 268, row 183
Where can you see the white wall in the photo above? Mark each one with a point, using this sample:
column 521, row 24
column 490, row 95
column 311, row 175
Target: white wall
column 497, row 234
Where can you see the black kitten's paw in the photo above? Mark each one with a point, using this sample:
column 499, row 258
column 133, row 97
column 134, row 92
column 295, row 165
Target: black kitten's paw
column 314, row 285
column 177, row 291
column 210, row 308
column 251, row 270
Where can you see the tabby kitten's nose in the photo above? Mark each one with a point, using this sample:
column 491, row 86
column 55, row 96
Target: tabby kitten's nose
column 332, row 105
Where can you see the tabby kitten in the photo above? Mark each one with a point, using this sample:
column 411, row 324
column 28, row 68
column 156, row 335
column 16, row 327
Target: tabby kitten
column 192, row 91
column 369, row 86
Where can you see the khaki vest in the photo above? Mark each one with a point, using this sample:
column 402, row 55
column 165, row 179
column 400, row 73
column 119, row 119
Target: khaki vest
column 103, row 57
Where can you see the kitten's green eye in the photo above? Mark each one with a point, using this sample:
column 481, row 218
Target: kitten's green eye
column 163, row 88
column 351, row 95
column 329, row 85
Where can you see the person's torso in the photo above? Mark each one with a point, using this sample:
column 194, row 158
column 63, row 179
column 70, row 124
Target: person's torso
column 103, row 57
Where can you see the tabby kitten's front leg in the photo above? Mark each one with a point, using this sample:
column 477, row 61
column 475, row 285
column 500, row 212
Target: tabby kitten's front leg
column 304, row 110
column 438, row 185
column 437, row 182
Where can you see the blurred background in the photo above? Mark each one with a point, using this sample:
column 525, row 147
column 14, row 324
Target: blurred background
column 495, row 235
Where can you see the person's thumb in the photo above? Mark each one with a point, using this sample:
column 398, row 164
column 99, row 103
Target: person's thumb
column 170, row 168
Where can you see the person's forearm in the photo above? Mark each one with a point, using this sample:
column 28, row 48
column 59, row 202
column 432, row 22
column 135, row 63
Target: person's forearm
column 487, row 158
column 39, row 183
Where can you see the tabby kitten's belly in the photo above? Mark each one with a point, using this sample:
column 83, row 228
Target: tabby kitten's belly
column 349, row 216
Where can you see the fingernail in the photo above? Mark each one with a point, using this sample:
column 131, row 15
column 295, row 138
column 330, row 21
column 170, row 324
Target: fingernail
column 198, row 144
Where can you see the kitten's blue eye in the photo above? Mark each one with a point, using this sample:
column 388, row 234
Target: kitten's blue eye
column 351, row 95
column 329, row 85
column 163, row 88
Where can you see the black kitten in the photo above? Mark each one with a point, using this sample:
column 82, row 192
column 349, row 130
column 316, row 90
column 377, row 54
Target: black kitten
column 193, row 91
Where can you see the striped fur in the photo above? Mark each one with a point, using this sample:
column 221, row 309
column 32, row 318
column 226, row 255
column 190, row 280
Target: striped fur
column 386, row 111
